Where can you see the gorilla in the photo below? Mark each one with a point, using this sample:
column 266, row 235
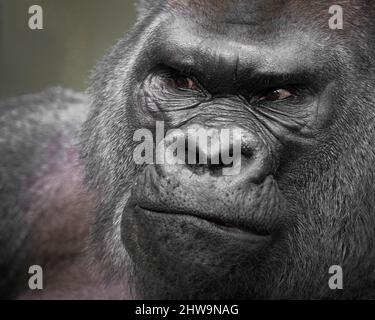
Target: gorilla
column 74, row 201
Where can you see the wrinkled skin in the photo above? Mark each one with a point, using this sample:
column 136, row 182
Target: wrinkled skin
column 303, row 96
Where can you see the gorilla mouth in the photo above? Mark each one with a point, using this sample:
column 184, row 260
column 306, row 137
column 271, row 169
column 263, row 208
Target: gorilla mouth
column 215, row 223
column 232, row 228
column 211, row 202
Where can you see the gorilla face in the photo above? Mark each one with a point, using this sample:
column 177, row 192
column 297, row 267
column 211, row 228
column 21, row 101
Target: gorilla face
column 303, row 201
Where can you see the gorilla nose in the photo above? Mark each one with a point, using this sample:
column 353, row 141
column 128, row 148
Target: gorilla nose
column 220, row 152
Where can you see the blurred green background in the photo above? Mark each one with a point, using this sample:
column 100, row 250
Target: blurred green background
column 76, row 34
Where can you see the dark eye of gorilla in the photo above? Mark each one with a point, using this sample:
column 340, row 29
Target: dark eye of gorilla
column 185, row 83
column 277, row 95
column 182, row 82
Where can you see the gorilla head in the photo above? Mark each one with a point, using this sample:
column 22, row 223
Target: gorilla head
column 302, row 95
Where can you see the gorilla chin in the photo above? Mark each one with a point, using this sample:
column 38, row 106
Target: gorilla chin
column 185, row 244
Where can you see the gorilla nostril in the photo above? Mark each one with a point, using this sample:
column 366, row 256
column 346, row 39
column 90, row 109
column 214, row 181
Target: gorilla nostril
column 247, row 151
column 211, row 158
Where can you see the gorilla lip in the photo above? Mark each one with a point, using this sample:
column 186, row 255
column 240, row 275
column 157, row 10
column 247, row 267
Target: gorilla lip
column 260, row 215
column 212, row 223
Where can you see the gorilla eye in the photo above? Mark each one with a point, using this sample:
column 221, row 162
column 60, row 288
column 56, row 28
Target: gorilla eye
column 276, row 95
column 185, row 83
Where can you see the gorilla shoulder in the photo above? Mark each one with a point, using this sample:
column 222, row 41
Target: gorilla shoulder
column 40, row 176
column 33, row 127
column 53, row 105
